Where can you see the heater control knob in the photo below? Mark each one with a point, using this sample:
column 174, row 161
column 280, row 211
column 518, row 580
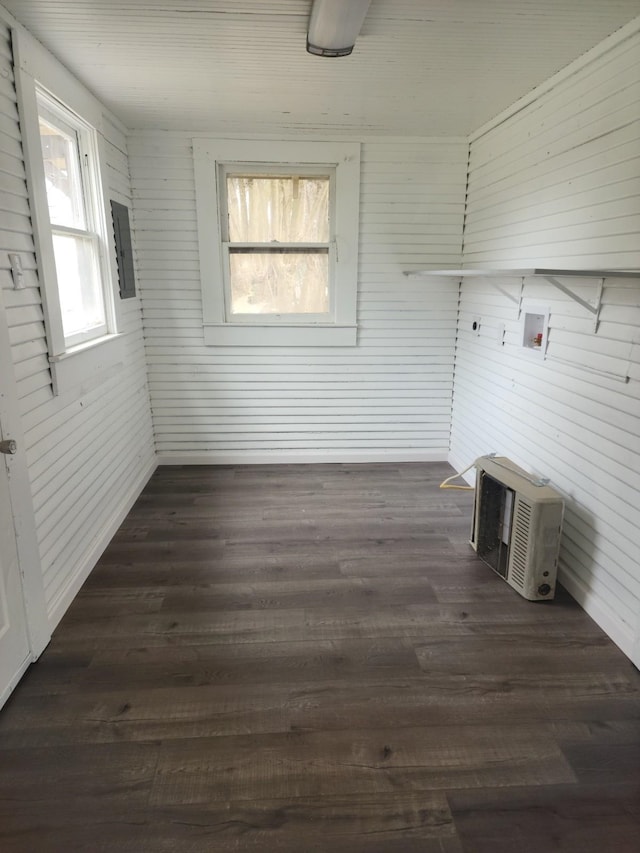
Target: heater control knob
column 544, row 589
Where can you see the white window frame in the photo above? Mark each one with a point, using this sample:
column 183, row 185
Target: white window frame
column 61, row 117
column 212, row 160
column 75, row 364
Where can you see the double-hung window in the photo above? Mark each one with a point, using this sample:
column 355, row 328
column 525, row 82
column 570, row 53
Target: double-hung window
column 69, row 158
column 62, row 127
column 276, row 244
column 278, row 235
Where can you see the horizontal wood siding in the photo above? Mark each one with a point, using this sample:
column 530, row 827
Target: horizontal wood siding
column 558, row 185
column 87, row 452
column 388, row 397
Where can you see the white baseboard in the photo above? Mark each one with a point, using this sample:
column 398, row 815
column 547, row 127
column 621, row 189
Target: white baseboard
column 61, row 603
column 284, row 457
column 621, row 634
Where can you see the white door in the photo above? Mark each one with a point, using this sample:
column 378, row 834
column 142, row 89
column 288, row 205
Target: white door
column 24, row 621
column 15, row 653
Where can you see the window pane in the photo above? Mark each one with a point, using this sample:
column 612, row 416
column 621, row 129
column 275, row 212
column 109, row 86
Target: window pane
column 81, row 299
column 274, row 283
column 62, row 175
column 288, row 209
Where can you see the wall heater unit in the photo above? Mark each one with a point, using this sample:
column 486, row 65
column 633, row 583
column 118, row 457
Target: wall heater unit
column 517, row 520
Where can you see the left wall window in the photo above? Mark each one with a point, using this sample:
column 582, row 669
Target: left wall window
column 70, row 172
column 65, row 154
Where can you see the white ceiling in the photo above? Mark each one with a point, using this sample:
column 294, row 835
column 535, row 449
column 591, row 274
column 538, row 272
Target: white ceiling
column 420, row 67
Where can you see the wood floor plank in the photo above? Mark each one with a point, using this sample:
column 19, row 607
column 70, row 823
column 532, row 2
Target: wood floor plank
column 312, row 593
column 197, row 572
column 393, row 823
column 605, row 763
column 523, row 657
column 183, row 665
column 298, row 764
column 571, row 818
column 233, row 626
column 420, row 562
column 77, row 773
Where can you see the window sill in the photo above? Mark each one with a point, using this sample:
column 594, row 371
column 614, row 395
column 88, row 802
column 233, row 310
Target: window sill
column 87, row 366
column 254, row 335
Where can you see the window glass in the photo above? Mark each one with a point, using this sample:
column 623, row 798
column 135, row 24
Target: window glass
column 61, row 157
column 289, row 209
column 279, row 282
column 79, row 290
column 278, row 244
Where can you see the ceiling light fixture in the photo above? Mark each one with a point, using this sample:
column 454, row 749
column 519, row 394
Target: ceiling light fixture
column 334, row 26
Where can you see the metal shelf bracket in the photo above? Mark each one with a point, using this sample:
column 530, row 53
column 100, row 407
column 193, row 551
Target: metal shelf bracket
column 590, row 306
column 506, row 293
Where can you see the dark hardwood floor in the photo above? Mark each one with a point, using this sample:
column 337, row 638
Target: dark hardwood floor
column 311, row 658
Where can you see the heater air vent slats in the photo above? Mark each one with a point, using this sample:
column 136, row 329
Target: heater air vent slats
column 520, row 546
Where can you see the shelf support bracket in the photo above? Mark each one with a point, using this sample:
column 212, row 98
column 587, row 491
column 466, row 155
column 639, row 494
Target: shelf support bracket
column 521, row 297
column 591, row 308
column 506, row 293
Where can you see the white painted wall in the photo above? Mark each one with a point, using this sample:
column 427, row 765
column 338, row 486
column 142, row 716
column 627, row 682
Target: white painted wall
column 89, row 451
column 389, row 398
column 558, row 184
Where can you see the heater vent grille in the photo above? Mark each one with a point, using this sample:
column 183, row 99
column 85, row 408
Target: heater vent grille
column 520, row 547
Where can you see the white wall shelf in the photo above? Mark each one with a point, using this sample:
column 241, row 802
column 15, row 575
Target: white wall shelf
column 523, row 272
column 550, row 275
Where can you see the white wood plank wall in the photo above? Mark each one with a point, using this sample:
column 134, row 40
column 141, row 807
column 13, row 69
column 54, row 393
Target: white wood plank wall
column 89, row 452
column 387, row 398
column 558, row 185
